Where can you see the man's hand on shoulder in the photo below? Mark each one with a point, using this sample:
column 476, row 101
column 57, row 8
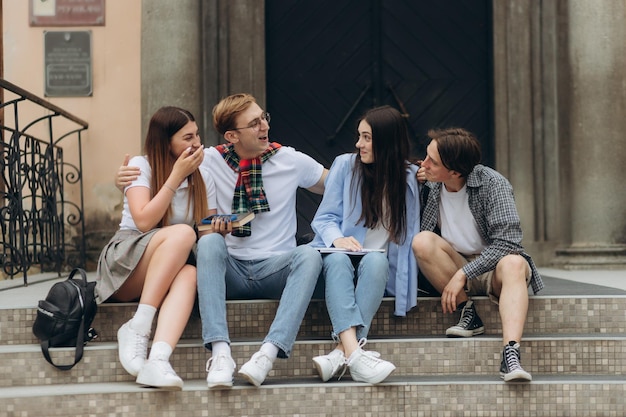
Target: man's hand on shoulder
column 125, row 174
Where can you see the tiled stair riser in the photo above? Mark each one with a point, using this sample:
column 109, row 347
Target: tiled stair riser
column 252, row 319
column 477, row 356
column 398, row 400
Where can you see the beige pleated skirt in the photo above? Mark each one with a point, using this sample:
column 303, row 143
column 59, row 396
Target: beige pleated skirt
column 118, row 260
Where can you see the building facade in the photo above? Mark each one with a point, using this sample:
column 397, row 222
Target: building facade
column 557, row 88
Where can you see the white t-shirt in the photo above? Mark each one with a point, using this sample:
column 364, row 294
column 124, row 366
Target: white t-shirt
column 272, row 232
column 458, row 226
column 377, row 238
column 179, row 202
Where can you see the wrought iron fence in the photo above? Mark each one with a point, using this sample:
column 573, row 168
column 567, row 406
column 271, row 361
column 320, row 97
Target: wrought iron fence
column 41, row 217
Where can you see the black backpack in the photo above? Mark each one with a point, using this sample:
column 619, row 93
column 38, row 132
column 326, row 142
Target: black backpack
column 64, row 317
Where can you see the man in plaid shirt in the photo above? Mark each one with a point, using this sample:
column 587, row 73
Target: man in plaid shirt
column 470, row 242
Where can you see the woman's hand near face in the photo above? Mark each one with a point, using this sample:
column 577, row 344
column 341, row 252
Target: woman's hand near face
column 188, row 161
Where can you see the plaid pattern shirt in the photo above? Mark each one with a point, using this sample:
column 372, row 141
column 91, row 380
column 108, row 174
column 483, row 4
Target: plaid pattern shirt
column 492, row 204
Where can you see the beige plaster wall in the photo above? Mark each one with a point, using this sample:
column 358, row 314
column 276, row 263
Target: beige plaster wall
column 113, row 111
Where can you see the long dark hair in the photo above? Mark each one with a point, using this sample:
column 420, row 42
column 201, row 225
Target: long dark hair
column 163, row 125
column 383, row 182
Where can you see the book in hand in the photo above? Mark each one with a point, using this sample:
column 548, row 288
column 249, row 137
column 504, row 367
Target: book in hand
column 237, row 220
column 349, row 252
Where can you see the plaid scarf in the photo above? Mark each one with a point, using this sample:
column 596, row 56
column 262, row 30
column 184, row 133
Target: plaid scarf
column 249, row 194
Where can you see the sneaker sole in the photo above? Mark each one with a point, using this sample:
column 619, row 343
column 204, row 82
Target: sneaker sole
column 172, row 387
column 464, row 333
column 517, row 376
column 380, row 378
column 250, row 379
column 220, row 385
column 166, row 388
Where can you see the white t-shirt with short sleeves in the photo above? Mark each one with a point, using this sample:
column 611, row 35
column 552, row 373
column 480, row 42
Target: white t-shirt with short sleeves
column 272, row 232
column 458, row 225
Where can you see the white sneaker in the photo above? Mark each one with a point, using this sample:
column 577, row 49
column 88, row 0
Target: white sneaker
column 257, row 368
column 132, row 348
column 367, row 367
column 159, row 373
column 220, row 371
column 329, row 365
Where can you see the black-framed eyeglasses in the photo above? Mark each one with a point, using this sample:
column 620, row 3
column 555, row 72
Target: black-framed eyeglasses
column 256, row 123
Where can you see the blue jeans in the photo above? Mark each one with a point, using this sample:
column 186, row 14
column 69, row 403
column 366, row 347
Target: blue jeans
column 351, row 305
column 290, row 277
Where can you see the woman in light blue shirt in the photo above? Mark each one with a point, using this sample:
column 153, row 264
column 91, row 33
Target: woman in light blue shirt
column 371, row 203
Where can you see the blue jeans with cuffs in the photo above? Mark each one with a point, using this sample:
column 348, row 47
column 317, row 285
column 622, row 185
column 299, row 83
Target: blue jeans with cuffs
column 290, row 277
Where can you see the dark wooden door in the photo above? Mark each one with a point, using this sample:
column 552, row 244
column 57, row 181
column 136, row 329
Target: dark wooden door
column 329, row 61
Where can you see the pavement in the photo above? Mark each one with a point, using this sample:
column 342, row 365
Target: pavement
column 558, row 282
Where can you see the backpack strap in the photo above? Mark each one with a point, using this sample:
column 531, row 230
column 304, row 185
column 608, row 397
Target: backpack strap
column 82, row 273
column 78, row 353
column 80, row 342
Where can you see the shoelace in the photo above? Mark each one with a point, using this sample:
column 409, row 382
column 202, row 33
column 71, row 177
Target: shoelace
column 220, row 363
column 261, row 359
column 371, row 357
column 370, row 353
column 141, row 346
column 344, row 365
column 362, row 342
column 466, row 316
column 512, row 358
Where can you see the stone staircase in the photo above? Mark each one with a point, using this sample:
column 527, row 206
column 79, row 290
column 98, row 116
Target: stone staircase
column 574, row 346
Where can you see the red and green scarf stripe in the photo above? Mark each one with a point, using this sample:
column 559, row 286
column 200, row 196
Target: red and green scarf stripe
column 249, row 194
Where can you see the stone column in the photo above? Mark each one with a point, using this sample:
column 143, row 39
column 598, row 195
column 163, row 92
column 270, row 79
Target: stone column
column 526, row 129
column 596, row 51
column 233, row 53
column 171, row 62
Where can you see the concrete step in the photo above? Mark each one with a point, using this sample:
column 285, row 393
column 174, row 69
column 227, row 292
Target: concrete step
column 24, row 365
column 252, row 319
column 449, row 395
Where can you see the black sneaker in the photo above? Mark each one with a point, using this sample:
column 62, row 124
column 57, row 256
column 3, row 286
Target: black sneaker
column 469, row 325
column 510, row 367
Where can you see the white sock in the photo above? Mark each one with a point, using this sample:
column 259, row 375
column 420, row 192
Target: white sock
column 142, row 320
column 220, row 348
column 161, row 351
column 270, row 349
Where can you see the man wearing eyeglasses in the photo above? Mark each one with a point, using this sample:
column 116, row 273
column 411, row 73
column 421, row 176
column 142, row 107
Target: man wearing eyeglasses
column 261, row 259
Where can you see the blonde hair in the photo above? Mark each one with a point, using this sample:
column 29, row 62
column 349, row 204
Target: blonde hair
column 226, row 111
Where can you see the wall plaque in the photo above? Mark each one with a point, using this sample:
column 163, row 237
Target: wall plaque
column 67, row 64
column 67, row 12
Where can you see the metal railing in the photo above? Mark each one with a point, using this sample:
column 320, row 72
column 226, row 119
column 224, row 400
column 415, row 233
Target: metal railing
column 39, row 225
